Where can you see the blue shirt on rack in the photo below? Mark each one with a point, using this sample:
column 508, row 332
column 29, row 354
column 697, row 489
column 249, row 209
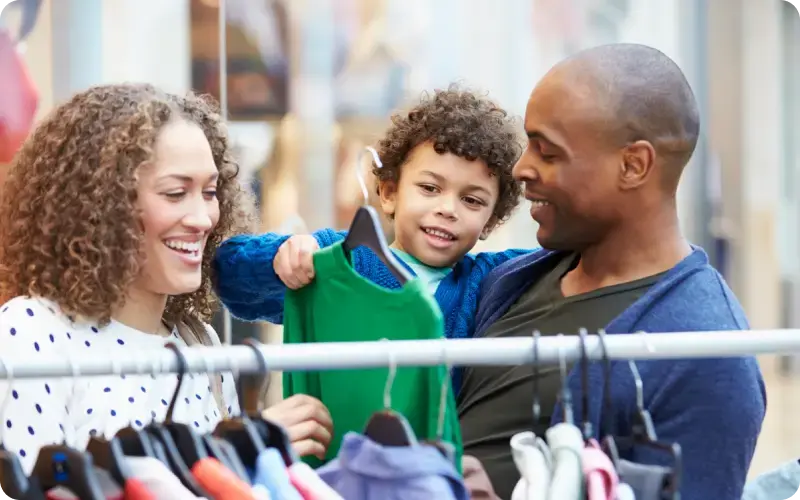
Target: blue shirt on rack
column 713, row 408
column 248, row 286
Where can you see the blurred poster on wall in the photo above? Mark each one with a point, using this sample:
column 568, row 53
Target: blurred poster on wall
column 257, row 55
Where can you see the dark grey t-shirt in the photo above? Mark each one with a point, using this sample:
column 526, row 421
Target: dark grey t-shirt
column 495, row 402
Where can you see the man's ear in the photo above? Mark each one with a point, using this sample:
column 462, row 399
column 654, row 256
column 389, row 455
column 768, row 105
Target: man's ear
column 387, row 190
column 638, row 162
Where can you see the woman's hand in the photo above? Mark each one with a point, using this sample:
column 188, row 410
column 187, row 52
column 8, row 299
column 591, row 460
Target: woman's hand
column 307, row 421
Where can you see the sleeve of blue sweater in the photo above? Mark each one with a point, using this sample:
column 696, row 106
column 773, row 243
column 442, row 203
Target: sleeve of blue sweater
column 245, row 280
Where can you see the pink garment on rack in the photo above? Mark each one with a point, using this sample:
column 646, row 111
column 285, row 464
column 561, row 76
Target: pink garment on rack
column 601, row 478
column 309, row 484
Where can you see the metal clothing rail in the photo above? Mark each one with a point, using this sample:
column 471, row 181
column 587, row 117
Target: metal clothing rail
column 382, row 354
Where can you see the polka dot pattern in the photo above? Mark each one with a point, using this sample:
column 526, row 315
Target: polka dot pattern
column 51, row 411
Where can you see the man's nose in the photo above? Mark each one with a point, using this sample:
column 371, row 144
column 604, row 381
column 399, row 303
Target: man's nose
column 524, row 170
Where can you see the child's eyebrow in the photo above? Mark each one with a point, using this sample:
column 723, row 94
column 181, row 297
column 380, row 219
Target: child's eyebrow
column 471, row 187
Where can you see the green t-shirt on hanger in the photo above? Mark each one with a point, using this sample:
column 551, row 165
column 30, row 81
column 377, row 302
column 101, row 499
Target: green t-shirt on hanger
column 341, row 306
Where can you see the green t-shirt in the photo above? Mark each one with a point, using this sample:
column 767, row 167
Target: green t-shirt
column 341, row 306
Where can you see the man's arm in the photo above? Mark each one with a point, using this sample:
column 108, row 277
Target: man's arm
column 714, row 409
column 245, row 279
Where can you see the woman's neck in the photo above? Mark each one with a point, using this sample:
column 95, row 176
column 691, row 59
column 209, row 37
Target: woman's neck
column 143, row 311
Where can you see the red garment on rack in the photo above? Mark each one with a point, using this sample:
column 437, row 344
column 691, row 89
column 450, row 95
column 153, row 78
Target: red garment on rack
column 135, row 490
column 220, row 482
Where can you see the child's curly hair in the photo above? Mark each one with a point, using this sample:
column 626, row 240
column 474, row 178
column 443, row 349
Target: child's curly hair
column 462, row 123
column 70, row 230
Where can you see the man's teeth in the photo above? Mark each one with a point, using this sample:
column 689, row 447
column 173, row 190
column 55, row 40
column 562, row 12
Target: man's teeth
column 183, row 246
column 538, row 203
column 440, row 234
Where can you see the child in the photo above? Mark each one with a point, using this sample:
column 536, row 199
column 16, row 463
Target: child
column 445, row 182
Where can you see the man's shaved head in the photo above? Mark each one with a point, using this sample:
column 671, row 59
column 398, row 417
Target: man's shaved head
column 645, row 95
column 610, row 130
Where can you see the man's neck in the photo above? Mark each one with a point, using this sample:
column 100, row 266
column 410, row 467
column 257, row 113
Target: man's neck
column 143, row 311
column 633, row 252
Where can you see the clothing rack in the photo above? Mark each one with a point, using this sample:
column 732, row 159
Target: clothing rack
column 383, row 354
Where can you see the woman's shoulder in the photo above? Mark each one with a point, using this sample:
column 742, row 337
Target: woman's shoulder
column 33, row 310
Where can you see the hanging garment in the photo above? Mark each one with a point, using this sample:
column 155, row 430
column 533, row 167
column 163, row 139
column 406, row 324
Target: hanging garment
column 340, row 305
column 566, row 445
column 646, row 481
column 598, row 470
column 625, row 492
column 158, row 479
column 309, row 484
column 271, row 473
column 221, row 482
column 781, row 483
column 365, row 470
column 533, row 460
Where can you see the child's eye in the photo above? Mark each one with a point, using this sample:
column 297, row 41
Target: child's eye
column 428, row 188
column 469, row 200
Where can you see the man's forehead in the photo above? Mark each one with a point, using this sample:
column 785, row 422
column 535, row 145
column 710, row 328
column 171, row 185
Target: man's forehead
column 564, row 101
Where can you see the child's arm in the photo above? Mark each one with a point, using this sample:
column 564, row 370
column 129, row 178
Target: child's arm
column 246, row 281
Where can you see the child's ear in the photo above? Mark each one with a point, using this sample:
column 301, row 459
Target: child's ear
column 487, row 229
column 388, row 193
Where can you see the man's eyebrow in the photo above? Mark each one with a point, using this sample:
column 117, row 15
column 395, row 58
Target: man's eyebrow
column 535, row 135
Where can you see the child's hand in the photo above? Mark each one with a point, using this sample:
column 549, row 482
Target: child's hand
column 294, row 262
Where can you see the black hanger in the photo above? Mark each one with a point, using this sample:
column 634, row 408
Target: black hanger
column 182, row 446
column 60, row 465
column 242, row 433
column 565, row 394
column 643, row 434
column 13, row 480
column 387, row 427
column 586, row 425
column 244, row 436
column 109, row 455
column 366, row 231
column 226, row 454
column 272, row 434
column 608, row 443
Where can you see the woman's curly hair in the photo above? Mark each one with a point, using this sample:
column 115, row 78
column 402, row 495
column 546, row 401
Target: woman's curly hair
column 70, row 229
column 462, row 123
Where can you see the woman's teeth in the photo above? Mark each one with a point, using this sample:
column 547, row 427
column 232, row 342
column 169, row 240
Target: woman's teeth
column 183, row 246
column 538, row 203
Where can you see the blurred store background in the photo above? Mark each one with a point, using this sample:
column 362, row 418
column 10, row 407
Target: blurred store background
column 309, row 82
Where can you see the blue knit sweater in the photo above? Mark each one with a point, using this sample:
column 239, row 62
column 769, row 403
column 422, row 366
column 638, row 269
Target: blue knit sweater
column 250, row 289
column 713, row 408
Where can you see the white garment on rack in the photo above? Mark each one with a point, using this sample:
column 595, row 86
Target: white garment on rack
column 158, row 479
column 625, row 492
column 53, row 411
column 566, row 445
column 532, row 458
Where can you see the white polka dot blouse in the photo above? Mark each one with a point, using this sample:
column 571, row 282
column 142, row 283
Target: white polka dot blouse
column 38, row 412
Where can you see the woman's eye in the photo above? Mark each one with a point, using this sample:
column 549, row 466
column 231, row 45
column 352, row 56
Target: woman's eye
column 210, row 194
column 175, row 196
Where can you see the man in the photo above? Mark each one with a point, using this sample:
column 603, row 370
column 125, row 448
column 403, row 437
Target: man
column 609, row 133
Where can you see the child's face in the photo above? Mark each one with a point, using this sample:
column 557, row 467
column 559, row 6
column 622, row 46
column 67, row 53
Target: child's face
column 441, row 206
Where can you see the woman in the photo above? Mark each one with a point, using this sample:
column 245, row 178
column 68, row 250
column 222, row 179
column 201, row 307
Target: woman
column 109, row 219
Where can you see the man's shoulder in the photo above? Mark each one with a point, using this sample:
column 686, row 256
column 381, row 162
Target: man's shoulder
column 699, row 301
